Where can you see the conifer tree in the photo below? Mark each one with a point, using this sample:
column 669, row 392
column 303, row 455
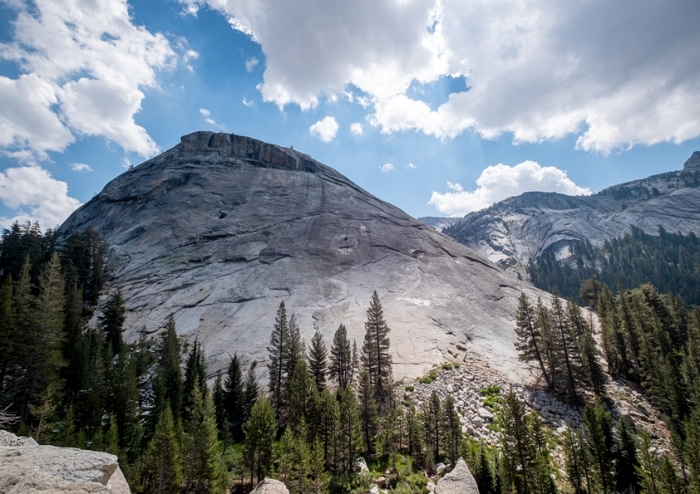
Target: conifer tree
column 692, row 449
column 112, row 321
column 168, row 386
column 341, row 358
column 7, row 317
column 599, row 443
column 626, row 463
column 204, row 472
column 432, row 424
column 349, row 437
column 451, row 429
column 125, row 402
column 301, row 394
column 576, row 464
column 318, row 461
column 195, row 376
column 295, row 350
column 233, row 397
column 591, row 370
column 326, row 427
column 648, row 471
column 298, row 480
column 218, row 395
column 567, row 349
column 368, row 410
column 276, row 367
column 318, row 361
column 518, row 454
column 375, row 350
column 251, row 390
column 542, row 466
column 415, row 433
column 260, row 431
column 163, row 463
column 529, row 337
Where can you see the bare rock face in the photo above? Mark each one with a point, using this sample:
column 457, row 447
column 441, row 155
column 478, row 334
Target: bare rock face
column 515, row 230
column 26, row 467
column 270, row 486
column 458, row 481
column 220, row 229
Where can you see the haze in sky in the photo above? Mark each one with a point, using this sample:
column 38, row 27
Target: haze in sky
column 440, row 107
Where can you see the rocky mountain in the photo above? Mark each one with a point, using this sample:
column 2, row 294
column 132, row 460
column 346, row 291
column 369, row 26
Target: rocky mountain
column 515, row 230
column 220, row 229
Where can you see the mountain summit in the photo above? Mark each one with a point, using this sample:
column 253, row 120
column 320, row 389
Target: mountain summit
column 220, row 229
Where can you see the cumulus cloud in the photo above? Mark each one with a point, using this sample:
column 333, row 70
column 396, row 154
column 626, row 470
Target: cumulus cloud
column 80, row 167
column 356, row 128
column 387, row 167
column 325, row 129
column 411, row 166
column 83, row 67
column 617, row 74
column 37, row 196
column 500, row 182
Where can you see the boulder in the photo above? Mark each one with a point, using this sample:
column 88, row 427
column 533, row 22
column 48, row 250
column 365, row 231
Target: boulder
column 458, row 481
column 26, row 467
column 361, row 465
column 270, row 486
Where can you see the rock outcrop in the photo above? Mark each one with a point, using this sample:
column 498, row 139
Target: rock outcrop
column 26, row 467
column 458, row 481
column 515, row 230
column 270, row 486
column 220, row 229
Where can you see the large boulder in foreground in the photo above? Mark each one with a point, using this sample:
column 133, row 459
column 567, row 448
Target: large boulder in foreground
column 220, row 229
column 26, row 467
column 459, row 481
column 270, row 486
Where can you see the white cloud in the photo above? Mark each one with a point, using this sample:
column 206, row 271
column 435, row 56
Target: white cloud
column 83, row 65
column 411, row 166
column 250, row 64
column 500, row 182
column 356, row 128
column 207, row 116
column 387, row 167
column 80, row 167
column 37, row 195
column 615, row 73
column 247, row 102
column 325, row 129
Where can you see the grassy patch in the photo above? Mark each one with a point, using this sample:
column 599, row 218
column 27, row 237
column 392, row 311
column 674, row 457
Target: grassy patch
column 429, row 378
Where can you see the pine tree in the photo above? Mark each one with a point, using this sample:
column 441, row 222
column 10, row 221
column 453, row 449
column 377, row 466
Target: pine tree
column 7, row 318
column 567, row 349
column 375, row 350
column 294, row 351
column 451, row 429
column 112, row 321
column 276, row 367
column 233, row 397
column 318, row 461
column 168, row 385
column 195, row 376
column 626, row 462
column 349, row 437
column 649, row 475
column 591, row 371
column 341, row 358
column 415, row 433
column 260, row 431
column 692, row 449
column 301, row 393
column 318, row 361
column 368, row 410
column 163, row 463
column 517, row 449
column 218, row 395
column 251, row 390
column 432, row 424
column 599, row 443
column 529, row 337
column 326, row 428
column 125, row 402
column 204, row 472
column 577, row 465
column 299, row 469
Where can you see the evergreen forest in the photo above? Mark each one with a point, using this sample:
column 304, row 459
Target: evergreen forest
column 669, row 261
column 331, row 417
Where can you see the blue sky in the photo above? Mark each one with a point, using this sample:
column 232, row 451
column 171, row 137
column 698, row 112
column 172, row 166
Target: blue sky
column 437, row 106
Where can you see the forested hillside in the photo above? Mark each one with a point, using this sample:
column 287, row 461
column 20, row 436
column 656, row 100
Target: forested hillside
column 670, row 261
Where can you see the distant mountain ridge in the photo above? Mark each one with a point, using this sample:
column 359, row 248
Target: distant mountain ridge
column 517, row 229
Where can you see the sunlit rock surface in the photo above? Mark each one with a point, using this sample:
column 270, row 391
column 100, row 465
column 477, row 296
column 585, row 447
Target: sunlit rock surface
column 220, row 229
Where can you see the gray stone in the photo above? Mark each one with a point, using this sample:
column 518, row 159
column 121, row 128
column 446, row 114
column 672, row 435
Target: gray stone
column 458, row 481
column 485, row 414
column 220, row 229
column 515, row 230
column 438, row 467
column 26, row 467
column 270, row 486
column 361, row 465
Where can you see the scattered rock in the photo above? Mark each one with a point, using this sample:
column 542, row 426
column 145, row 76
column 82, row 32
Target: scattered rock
column 361, row 465
column 26, row 467
column 270, row 486
column 458, row 481
column 438, row 467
